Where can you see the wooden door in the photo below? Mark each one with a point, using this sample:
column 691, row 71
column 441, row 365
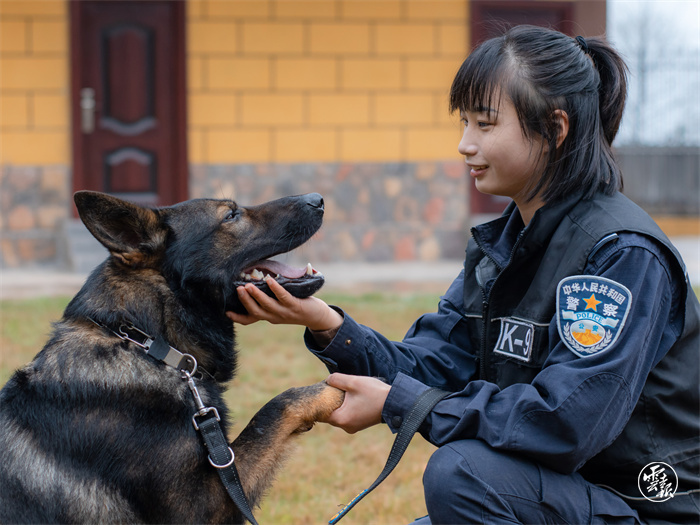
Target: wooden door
column 128, row 99
column 490, row 18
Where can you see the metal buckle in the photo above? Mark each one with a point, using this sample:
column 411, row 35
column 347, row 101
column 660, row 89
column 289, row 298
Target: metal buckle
column 227, row 464
column 124, row 334
column 190, row 360
column 202, row 412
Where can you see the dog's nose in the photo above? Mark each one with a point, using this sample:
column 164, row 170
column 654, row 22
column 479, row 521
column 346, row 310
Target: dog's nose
column 314, row 200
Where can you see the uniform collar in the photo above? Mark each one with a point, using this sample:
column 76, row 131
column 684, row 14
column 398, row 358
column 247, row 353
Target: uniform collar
column 497, row 238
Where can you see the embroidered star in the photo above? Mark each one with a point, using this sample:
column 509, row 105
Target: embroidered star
column 592, row 302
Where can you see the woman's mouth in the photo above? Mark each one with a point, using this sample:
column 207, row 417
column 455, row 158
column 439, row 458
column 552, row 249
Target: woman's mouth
column 477, row 170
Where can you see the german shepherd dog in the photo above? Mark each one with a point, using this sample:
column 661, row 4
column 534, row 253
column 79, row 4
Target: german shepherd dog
column 95, row 430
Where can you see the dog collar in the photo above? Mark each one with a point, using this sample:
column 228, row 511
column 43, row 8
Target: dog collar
column 155, row 347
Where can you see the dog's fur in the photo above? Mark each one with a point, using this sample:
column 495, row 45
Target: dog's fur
column 94, row 430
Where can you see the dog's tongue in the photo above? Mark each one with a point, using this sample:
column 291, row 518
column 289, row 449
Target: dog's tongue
column 276, row 267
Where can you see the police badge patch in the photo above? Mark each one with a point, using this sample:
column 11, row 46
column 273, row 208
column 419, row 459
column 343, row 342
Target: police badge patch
column 591, row 312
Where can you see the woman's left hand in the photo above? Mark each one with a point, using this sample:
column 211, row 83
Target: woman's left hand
column 311, row 312
column 363, row 404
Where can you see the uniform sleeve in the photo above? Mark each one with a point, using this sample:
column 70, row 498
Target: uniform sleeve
column 436, row 350
column 576, row 406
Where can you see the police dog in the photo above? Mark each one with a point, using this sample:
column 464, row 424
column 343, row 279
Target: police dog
column 95, row 430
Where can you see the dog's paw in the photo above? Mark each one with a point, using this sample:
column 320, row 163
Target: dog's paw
column 309, row 404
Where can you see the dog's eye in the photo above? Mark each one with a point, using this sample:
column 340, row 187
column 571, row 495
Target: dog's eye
column 231, row 215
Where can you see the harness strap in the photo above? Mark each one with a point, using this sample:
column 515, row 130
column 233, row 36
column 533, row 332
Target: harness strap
column 221, row 457
column 419, row 411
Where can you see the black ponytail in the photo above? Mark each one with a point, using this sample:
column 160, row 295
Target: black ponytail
column 613, row 85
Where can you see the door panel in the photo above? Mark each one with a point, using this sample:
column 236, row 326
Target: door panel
column 127, row 53
column 128, row 99
column 130, row 170
column 491, row 17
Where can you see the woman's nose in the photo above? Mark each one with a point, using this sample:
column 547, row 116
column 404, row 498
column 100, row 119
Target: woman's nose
column 466, row 147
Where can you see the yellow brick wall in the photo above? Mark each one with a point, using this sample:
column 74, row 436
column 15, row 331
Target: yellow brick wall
column 34, row 83
column 268, row 80
column 323, row 80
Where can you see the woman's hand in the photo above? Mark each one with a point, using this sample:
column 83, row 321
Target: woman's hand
column 363, row 404
column 284, row 308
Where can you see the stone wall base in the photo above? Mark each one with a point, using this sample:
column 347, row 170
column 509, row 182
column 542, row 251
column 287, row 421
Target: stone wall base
column 34, row 202
column 374, row 212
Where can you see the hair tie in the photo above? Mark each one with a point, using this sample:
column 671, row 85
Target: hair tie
column 583, row 45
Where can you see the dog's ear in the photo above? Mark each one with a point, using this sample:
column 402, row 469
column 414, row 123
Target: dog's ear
column 133, row 234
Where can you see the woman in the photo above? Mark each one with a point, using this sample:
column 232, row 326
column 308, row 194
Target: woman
column 570, row 339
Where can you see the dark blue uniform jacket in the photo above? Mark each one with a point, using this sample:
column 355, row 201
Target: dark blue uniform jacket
column 605, row 415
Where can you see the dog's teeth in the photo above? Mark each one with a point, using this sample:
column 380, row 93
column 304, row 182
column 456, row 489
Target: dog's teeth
column 247, row 277
column 257, row 275
column 242, row 276
column 309, row 269
column 278, row 277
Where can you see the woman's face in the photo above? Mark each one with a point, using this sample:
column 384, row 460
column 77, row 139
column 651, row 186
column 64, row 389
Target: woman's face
column 502, row 160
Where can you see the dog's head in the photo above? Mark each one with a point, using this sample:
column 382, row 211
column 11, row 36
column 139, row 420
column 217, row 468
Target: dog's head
column 206, row 248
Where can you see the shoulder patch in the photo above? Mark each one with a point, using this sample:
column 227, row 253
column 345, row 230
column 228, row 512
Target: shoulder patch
column 591, row 312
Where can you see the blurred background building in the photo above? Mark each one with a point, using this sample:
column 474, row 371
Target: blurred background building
column 161, row 101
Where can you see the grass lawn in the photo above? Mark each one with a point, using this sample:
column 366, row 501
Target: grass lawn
column 328, row 467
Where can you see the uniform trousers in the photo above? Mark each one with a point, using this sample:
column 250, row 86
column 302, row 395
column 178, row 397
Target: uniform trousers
column 469, row 482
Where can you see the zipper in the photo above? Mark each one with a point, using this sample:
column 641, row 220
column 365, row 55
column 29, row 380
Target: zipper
column 482, row 352
column 485, row 297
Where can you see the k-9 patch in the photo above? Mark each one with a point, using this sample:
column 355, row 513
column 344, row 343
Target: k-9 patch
column 591, row 312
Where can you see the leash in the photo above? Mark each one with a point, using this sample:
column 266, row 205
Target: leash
column 419, row 411
column 220, row 454
column 221, row 457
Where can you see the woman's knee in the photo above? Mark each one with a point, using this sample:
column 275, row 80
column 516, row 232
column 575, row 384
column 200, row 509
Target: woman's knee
column 453, row 492
column 455, row 460
column 465, row 472
column 446, row 468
